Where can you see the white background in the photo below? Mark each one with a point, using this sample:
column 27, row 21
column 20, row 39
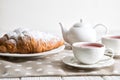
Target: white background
column 44, row 15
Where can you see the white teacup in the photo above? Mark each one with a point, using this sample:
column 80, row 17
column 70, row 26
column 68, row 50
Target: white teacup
column 112, row 42
column 89, row 53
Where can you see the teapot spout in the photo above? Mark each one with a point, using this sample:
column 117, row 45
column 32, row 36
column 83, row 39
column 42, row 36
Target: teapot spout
column 64, row 32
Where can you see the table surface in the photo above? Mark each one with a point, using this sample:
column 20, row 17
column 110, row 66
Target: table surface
column 67, row 78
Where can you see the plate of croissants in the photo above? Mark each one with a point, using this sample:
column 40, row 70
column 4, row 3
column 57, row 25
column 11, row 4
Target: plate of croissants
column 24, row 42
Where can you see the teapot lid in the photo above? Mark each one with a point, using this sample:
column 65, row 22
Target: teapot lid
column 80, row 24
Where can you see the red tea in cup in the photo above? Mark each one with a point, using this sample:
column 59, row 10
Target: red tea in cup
column 91, row 45
column 115, row 37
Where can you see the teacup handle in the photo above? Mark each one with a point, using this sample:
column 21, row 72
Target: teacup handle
column 109, row 52
column 106, row 29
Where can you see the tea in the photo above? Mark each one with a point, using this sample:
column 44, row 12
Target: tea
column 115, row 37
column 91, row 45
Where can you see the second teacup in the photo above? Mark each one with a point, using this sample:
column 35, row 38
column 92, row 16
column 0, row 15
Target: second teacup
column 113, row 42
column 89, row 53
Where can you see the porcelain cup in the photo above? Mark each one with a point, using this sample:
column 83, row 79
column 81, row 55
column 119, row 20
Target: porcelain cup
column 113, row 42
column 90, row 53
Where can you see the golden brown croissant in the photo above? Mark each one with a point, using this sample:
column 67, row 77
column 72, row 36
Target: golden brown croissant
column 27, row 41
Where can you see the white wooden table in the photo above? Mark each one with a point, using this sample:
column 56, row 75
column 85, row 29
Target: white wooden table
column 67, row 78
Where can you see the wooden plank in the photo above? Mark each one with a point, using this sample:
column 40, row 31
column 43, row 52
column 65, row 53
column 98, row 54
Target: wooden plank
column 9, row 78
column 41, row 78
column 111, row 77
column 83, row 78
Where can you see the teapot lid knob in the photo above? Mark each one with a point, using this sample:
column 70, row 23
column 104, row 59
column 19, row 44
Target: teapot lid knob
column 81, row 20
column 80, row 24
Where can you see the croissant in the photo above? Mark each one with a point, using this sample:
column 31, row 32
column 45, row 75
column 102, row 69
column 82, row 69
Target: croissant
column 25, row 41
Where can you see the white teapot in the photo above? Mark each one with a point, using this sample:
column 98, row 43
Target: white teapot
column 81, row 33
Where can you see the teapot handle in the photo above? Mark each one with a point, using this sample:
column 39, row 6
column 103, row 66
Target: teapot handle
column 101, row 25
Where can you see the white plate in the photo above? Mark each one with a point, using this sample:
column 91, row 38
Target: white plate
column 35, row 54
column 71, row 61
column 116, row 55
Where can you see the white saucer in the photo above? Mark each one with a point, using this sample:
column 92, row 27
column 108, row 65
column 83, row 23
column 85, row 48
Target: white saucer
column 71, row 61
column 42, row 54
column 116, row 54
